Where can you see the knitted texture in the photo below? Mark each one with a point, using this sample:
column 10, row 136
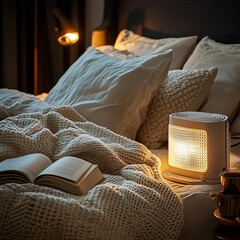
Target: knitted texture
column 182, row 90
column 133, row 202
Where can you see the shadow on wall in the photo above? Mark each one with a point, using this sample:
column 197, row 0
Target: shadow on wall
column 94, row 16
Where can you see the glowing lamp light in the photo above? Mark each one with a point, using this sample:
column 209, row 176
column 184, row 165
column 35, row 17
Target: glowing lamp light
column 66, row 31
column 68, row 38
column 198, row 147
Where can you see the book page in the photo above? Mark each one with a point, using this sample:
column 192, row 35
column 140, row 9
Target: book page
column 60, row 183
column 29, row 165
column 71, row 168
column 14, row 177
column 92, row 177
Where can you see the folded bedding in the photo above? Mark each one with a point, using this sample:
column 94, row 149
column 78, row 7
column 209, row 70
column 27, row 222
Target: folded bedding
column 133, row 202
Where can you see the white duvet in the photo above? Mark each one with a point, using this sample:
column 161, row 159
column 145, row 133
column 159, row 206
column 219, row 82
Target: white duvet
column 134, row 202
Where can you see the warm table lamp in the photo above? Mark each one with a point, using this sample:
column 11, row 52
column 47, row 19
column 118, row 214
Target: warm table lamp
column 198, row 147
column 67, row 33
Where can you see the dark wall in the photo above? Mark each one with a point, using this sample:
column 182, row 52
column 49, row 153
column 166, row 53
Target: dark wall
column 27, row 27
column 8, row 44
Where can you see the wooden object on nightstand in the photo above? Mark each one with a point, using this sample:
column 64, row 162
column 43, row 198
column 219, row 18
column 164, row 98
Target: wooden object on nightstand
column 229, row 228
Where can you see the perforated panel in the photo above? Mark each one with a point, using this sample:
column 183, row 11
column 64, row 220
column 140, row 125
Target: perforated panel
column 188, row 148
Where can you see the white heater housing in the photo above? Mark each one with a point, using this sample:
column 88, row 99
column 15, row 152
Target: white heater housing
column 198, row 147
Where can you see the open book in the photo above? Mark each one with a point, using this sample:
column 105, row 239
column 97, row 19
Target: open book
column 70, row 174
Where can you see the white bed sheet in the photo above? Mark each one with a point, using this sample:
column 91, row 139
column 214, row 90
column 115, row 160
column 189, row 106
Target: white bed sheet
column 199, row 220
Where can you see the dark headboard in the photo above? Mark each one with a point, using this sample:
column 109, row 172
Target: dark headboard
column 218, row 19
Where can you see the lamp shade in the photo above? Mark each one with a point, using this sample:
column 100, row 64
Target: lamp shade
column 67, row 33
column 198, row 147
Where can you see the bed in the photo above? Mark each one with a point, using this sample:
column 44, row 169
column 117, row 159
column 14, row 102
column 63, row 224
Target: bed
column 148, row 59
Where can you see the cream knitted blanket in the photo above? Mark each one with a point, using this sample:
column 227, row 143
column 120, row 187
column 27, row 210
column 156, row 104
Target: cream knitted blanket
column 134, row 202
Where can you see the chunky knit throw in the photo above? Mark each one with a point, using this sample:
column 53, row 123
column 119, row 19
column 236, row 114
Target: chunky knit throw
column 133, row 202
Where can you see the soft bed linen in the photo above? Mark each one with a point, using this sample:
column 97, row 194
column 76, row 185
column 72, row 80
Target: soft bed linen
column 199, row 220
column 134, row 202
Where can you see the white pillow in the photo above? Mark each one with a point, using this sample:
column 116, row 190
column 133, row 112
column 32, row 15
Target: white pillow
column 181, row 91
column 109, row 91
column 224, row 97
column 113, row 52
column 182, row 47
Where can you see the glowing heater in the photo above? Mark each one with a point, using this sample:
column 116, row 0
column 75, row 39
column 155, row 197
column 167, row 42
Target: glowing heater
column 198, row 147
